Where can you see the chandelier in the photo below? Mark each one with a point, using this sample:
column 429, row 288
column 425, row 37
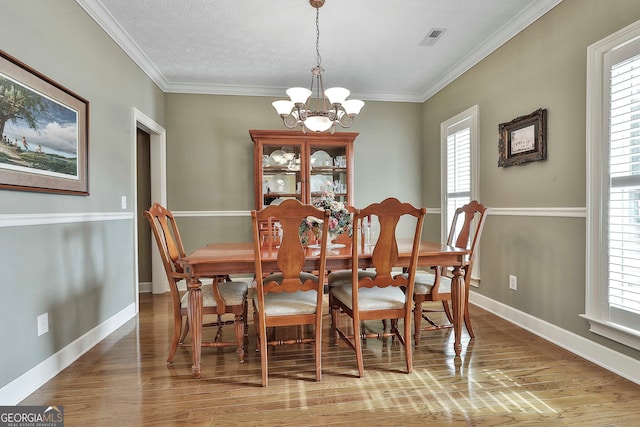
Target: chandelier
column 329, row 107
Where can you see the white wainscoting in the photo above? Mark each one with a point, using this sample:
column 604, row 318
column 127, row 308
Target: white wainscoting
column 21, row 220
column 21, row 387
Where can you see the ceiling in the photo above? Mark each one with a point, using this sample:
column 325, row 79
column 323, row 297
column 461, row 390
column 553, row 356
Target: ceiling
column 251, row 47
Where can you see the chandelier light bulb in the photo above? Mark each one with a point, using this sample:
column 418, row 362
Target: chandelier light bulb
column 283, row 107
column 353, row 106
column 337, row 95
column 298, row 95
column 318, row 123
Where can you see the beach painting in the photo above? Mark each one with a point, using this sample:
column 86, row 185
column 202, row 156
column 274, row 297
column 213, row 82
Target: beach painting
column 43, row 132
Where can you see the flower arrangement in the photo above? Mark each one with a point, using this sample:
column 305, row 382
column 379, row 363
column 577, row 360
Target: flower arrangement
column 339, row 217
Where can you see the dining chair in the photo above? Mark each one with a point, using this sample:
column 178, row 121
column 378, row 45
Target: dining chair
column 436, row 286
column 342, row 277
column 285, row 293
column 222, row 296
column 379, row 297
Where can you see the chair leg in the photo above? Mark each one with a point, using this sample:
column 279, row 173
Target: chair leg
column 394, row 325
column 318, row 343
column 357, row 340
column 447, row 310
column 219, row 331
column 467, row 321
column 239, row 325
column 417, row 320
column 467, row 318
column 408, row 349
column 263, row 353
column 335, row 317
column 185, row 330
column 245, row 316
column 176, row 339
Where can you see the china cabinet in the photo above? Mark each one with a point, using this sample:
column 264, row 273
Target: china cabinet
column 289, row 164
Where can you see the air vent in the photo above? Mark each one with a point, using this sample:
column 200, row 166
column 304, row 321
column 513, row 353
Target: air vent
column 432, row 36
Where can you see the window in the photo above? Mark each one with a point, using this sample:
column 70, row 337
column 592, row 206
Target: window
column 459, row 165
column 613, row 188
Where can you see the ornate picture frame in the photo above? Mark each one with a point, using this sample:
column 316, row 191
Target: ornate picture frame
column 523, row 139
column 44, row 132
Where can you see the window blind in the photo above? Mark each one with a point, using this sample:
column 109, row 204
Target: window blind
column 624, row 192
column 458, row 168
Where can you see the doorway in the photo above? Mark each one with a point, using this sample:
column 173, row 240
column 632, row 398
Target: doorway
column 143, row 199
column 157, row 192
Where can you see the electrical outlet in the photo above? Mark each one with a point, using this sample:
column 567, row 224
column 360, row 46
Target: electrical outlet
column 43, row 324
column 513, row 282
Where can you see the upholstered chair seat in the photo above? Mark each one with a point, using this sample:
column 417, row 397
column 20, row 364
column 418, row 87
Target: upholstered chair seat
column 285, row 304
column 376, row 298
column 233, row 293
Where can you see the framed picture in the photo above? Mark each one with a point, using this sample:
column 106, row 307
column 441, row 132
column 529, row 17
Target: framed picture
column 44, row 132
column 523, row 139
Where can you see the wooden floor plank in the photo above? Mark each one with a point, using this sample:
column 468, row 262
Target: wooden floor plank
column 506, row 376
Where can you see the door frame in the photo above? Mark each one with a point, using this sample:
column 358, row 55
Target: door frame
column 158, row 171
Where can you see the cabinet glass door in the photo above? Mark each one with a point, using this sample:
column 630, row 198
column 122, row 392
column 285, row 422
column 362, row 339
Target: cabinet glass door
column 328, row 171
column 281, row 173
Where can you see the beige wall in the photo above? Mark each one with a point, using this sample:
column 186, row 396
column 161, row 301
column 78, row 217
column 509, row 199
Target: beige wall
column 79, row 272
column 210, row 158
column 542, row 67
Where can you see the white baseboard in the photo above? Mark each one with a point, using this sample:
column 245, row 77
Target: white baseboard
column 145, row 287
column 20, row 388
column 618, row 363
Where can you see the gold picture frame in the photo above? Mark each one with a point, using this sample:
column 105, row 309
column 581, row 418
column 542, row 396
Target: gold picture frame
column 523, row 139
column 44, row 132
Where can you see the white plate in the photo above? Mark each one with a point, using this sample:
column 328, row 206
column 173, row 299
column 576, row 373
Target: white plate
column 279, row 184
column 321, row 158
column 319, row 181
column 277, row 158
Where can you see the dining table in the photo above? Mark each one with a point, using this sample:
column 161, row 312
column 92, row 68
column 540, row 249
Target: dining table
column 216, row 259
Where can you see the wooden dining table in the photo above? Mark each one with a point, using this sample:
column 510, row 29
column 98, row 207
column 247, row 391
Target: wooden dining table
column 238, row 258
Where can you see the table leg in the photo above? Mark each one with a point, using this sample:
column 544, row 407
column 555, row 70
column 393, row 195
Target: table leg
column 195, row 323
column 458, row 299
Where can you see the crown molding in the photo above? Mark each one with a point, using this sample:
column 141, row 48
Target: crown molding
column 500, row 37
column 107, row 22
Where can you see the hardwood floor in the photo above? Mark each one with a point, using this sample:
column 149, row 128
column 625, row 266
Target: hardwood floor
column 506, row 376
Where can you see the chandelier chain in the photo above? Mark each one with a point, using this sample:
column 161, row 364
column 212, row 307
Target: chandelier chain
column 318, row 57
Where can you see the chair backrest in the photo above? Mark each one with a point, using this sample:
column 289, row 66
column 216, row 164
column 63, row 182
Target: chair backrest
column 385, row 251
column 467, row 234
column 165, row 230
column 270, row 232
column 291, row 256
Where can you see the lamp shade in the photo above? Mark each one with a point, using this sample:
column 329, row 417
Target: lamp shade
column 283, row 106
column 318, row 123
column 353, row 106
column 336, row 95
column 298, row 95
